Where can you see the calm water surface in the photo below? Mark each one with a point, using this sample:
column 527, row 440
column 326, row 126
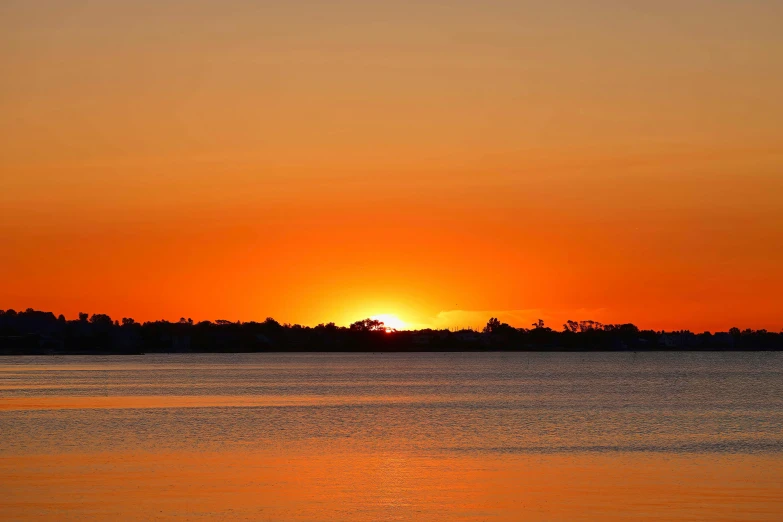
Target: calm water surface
column 689, row 436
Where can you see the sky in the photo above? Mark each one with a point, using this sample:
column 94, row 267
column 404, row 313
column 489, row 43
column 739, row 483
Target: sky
column 441, row 162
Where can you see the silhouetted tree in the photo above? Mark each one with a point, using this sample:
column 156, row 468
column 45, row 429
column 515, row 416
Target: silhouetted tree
column 493, row 325
column 100, row 320
column 35, row 332
column 570, row 326
column 368, row 325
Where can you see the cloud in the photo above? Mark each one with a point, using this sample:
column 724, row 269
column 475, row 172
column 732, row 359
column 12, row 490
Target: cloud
column 521, row 318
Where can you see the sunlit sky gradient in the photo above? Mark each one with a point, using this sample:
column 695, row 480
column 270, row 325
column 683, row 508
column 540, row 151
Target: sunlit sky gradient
column 438, row 161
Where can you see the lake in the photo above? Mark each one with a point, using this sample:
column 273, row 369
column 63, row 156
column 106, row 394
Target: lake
column 436, row 436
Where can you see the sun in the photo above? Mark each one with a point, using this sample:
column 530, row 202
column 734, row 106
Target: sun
column 391, row 321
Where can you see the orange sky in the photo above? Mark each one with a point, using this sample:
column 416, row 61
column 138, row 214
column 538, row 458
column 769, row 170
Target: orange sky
column 441, row 161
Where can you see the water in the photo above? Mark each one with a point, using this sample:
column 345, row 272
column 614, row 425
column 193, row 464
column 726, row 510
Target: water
column 677, row 436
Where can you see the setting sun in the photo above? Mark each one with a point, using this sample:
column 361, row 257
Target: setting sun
column 391, row 321
column 391, row 260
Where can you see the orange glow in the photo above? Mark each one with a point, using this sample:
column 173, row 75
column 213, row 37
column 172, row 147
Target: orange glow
column 391, row 321
column 440, row 162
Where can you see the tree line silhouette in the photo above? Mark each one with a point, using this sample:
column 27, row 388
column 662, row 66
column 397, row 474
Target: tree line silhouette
column 33, row 332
